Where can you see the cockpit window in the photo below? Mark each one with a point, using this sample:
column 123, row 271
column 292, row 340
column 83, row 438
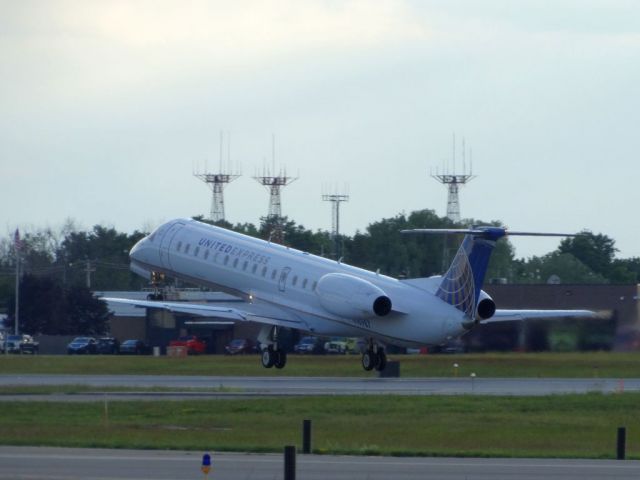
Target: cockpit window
column 156, row 232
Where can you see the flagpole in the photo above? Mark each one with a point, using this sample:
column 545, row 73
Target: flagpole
column 18, row 248
column 17, row 312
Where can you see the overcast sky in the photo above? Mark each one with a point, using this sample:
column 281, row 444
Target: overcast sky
column 106, row 108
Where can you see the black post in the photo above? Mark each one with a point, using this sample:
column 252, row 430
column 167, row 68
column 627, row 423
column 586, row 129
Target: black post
column 289, row 463
column 306, row 436
column 622, row 442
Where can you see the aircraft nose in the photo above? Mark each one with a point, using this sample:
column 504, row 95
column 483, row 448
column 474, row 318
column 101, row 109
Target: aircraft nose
column 135, row 252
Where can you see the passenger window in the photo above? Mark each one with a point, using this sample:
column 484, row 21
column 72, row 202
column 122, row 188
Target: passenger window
column 235, row 263
column 264, row 271
column 206, row 254
column 295, row 280
column 244, row 265
column 186, row 249
column 226, row 260
column 179, row 246
column 196, row 251
column 273, row 274
column 304, row 283
column 255, row 268
column 315, row 284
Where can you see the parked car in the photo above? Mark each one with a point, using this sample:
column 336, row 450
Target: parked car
column 309, row 345
column 134, row 347
column 239, row 346
column 21, row 344
column 29, row 345
column 108, row 346
column 194, row 344
column 82, row 345
column 336, row 346
column 12, row 343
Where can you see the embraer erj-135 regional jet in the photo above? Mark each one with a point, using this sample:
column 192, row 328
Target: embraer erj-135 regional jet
column 286, row 288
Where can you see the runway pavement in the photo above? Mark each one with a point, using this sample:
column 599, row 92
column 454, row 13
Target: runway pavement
column 292, row 386
column 40, row 463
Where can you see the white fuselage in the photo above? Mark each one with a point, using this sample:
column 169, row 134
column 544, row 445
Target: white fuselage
column 269, row 274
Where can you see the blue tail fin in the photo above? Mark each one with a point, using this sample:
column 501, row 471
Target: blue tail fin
column 462, row 283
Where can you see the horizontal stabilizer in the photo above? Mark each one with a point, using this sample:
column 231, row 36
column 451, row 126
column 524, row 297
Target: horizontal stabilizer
column 503, row 315
column 483, row 231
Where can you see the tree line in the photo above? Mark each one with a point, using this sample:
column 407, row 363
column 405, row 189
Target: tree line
column 61, row 268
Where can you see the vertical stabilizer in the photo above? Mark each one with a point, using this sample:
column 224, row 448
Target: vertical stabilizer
column 463, row 281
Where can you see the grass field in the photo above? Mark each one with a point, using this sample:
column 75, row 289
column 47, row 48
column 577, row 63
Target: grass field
column 579, row 365
column 555, row 426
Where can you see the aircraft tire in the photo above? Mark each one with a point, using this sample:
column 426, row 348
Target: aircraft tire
column 281, row 359
column 369, row 360
column 382, row 360
column 268, row 357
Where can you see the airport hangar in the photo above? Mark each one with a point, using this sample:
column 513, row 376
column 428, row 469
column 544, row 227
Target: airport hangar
column 617, row 305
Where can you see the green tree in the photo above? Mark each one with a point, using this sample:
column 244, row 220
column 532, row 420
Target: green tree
column 556, row 266
column 626, row 270
column 595, row 251
column 106, row 252
column 47, row 308
column 85, row 313
column 41, row 305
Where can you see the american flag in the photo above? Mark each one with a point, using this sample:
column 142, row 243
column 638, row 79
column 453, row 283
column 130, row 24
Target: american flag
column 17, row 243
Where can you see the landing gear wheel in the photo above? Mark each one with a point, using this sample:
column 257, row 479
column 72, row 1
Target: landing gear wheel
column 268, row 357
column 369, row 360
column 382, row 360
column 281, row 359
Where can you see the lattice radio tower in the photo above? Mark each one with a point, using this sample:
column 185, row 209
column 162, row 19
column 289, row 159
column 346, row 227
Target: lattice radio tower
column 336, row 199
column 217, row 182
column 275, row 182
column 453, row 181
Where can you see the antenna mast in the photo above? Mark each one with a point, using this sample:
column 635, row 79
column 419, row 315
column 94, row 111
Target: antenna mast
column 454, row 181
column 275, row 182
column 336, row 199
column 217, row 182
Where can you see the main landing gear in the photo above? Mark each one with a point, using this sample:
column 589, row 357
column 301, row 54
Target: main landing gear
column 273, row 358
column 272, row 355
column 374, row 357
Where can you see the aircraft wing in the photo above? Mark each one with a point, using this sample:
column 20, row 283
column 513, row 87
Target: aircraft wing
column 519, row 315
column 233, row 311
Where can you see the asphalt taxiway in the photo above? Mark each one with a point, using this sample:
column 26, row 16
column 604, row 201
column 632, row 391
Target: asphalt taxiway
column 40, row 463
column 293, row 386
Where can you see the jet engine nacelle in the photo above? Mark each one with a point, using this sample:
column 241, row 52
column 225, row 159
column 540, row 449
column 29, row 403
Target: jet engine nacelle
column 351, row 297
column 486, row 306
